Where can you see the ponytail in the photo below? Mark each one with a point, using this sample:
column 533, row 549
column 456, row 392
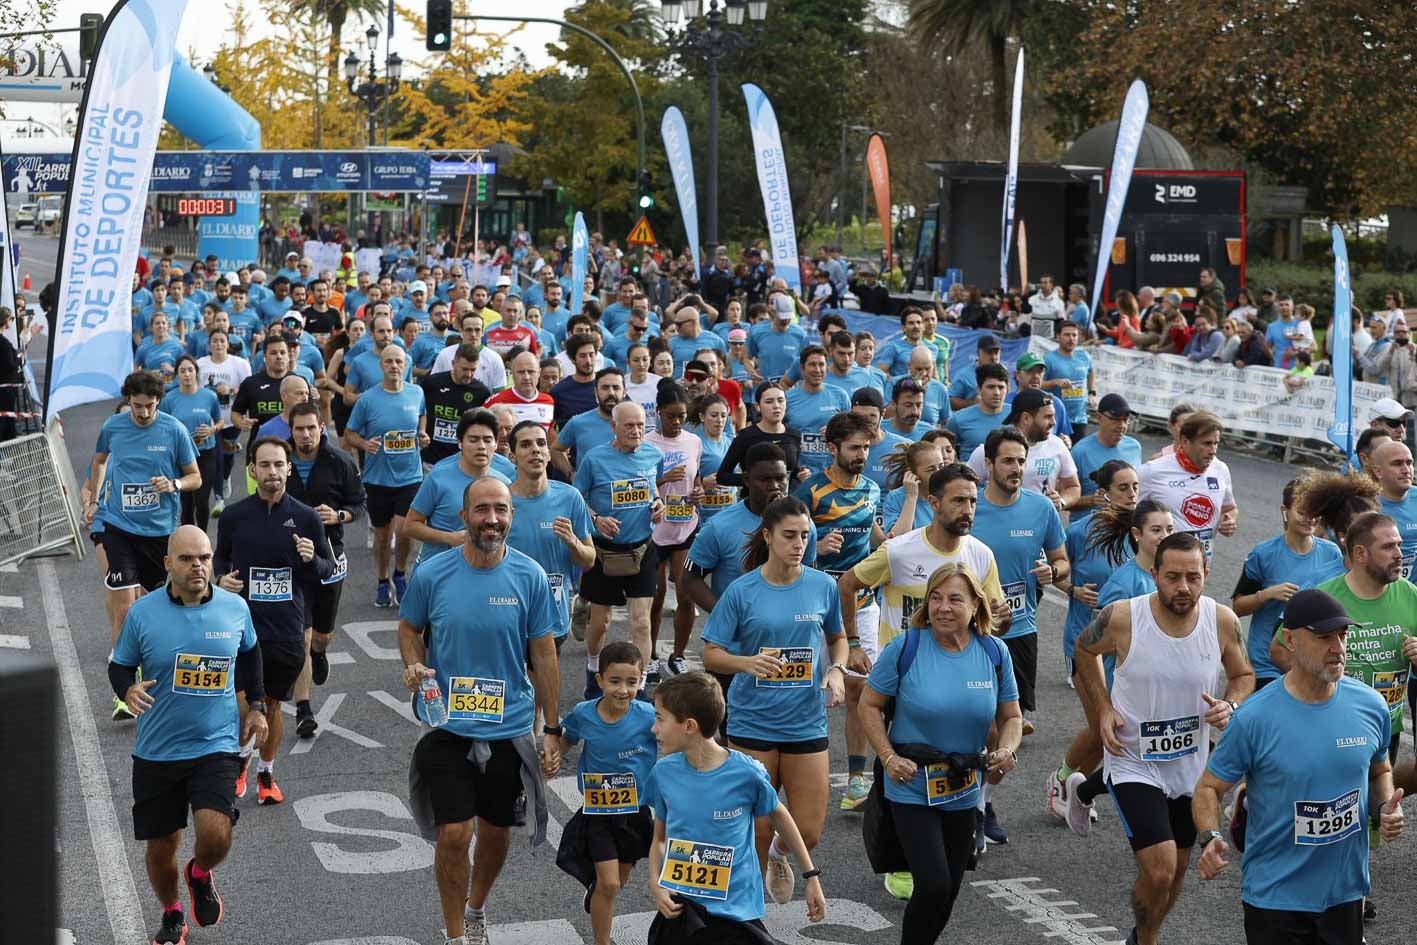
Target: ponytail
column 755, row 548
column 1111, row 527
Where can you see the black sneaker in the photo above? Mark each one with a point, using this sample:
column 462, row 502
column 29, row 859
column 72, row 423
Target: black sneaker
column 173, row 931
column 319, row 667
column 652, row 675
column 1370, row 911
column 305, row 724
column 589, row 892
column 206, row 901
column 675, row 665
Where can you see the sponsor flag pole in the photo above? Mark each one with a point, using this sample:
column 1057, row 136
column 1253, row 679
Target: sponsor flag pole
column 772, row 179
column 1341, row 433
column 1124, row 159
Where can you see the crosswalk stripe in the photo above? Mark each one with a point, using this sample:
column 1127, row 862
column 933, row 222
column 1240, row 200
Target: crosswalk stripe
column 14, row 642
column 11, row 602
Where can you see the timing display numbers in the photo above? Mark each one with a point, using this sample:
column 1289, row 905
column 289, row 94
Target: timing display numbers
column 206, row 206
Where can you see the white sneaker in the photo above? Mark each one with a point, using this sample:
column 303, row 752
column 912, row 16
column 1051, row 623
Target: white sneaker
column 474, row 929
column 1056, row 806
column 782, row 881
column 1079, row 815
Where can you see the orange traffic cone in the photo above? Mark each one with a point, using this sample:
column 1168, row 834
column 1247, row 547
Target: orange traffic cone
column 26, row 285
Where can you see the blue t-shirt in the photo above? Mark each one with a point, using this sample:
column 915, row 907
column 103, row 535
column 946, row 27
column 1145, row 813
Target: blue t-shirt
column 244, row 325
column 809, row 413
column 1272, row 562
column 615, row 317
column 964, row 385
column 271, row 309
column 624, row 747
column 936, row 410
column 916, row 435
column 622, row 485
column 683, row 348
column 584, row 432
column 365, row 372
column 531, row 534
column 719, row 545
column 135, row 455
column 708, row 819
column 855, row 379
column 894, row 503
column 799, row 620
column 194, row 409
column 717, row 499
column 1019, row 534
column 971, row 425
column 1306, row 767
column 946, row 700
column 152, row 356
column 440, row 500
column 1278, row 343
column 617, row 347
column 776, row 351
column 1404, row 513
column 876, row 462
column 392, row 418
column 198, row 343
column 849, row 510
column 1089, row 566
column 191, row 653
column 1075, row 368
column 425, row 350
column 1090, row 455
column 894, row 357
column 481, row 621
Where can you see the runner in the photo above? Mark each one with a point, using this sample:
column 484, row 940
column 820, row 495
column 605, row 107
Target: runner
column 1334, row 500
column 482, row 616
column 447, row 395
column 1068, row 373
column 772, row 631
column 187, row 640
column 1091, row 564
column 1391, row 466
column 716, row 436
column 811, row 404
column 199, row 410
column 935, row 408
column 868, row 404
column 389, row 425
column 524, row 397
column 907, row 403
column 972, row 424
column 583, row 432
column 777, row 343
column 1305, row 869
column 682, row 489
column 142, row 461
column 905, row 507
column 258, row 398
column 1156, row 722
column 770, row 428
column 1193, row 483
column 270, row 549
column 964, row 384
column 434, row 516
column 842, row 371
column 1048, row 467
column 491, row 370
column 1092, row 452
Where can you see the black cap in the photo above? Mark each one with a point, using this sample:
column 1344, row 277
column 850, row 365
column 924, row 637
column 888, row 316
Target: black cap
column 989, row 343
column 698, row 367
column 1316, row 611
column 1030, row 400
column 1114, row 405
column 868, row 397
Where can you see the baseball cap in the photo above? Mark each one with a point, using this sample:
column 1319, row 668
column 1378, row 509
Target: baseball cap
column 1115, row 405
column 292, row 315
column 736, row 335
column 1027, row 401
column 232, row 278
column 696, row 367
column 868, row 397
column 292, row 255
column 1389, row 409
column 1028, row 361
column 989, row 343
column 783, row 306
column 504, row 281
column 417, row 286
column 1316, row 611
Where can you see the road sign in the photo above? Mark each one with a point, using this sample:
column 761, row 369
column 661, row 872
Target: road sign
column 641, row 235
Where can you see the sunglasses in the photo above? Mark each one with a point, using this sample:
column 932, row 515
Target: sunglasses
column 1394, row 424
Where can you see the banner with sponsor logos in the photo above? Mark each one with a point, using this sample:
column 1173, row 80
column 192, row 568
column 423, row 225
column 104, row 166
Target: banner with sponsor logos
column 1252, row 399
column 681, row 166
column 1124, row 159
column 1341, row 433
column 90, row 331
column 580, row 262
column 773, row 180
column 1011, row 181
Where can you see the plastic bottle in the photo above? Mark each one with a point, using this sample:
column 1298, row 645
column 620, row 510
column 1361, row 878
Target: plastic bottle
column 435, row 710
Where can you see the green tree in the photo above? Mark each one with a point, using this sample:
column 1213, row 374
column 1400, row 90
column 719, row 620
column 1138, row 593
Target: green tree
column 335, row 13
column 957, row 25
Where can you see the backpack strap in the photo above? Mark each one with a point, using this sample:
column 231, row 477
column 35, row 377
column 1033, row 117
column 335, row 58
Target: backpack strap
column 906, row 657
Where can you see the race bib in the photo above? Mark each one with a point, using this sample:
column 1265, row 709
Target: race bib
column 697, row 869
column 445, row 430
column 139, row 497
column 610, row 793
column 196, row 675
column 629, row 493
column 797, row 667
column 1320, row 822
column 270, row 585
column 814, row 443
column 472, row 698
column 1207, row 539
column 1073, row 393
column 1016, row 596
column 341, row 569
column 558, row 583
column 937, row 784
column 720, row 497
column 1392, row 687
column 678, row 510
column 1169, row 739
column 400, row 441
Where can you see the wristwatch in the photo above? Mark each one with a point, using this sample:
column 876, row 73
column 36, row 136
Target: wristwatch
column 257, row 707
column 1208, row 836
column 556, row 730
column 840, row 666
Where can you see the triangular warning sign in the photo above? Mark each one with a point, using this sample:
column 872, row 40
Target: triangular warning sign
column 641, row 235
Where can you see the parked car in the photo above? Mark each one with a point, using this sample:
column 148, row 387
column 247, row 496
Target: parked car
column 25, row 216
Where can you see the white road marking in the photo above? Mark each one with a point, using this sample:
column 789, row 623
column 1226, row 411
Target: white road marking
column 120, row 893
column 361, row 632
column 325, row 716
column 10, row 568
column 340, row 659
column 1052, row 916
column 14, row 603
column 401, row 706
column 14, row 642
column 411, row 853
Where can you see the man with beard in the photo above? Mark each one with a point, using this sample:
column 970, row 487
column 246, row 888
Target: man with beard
column 429, row 344
column 585, row 431
column 1391, row 466
column 435, row 516
column 1156, row 721
column 447, row 395
column 907, row 403
column 1049, row 468
column 479, row 615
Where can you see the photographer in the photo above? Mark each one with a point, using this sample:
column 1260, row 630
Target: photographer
column 1399, row 362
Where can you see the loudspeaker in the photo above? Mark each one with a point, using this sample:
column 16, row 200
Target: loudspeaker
column 29, row 703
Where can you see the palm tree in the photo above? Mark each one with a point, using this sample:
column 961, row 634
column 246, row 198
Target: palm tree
column 336, row 13
column 955, row 24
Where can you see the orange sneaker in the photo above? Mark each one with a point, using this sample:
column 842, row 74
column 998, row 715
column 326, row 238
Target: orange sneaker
column 267, row 791
column 241, row 778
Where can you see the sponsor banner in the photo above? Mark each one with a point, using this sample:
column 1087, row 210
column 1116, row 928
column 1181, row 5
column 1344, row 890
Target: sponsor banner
column 7, row 268
column 235, row 239
column 772, row 178
column 580, row 248
column 880, row 170
column 1252, row 399
column 1011, row 180
column 681, row 166
column 1341, row 432
column 1124, row 159
column 1184, row 194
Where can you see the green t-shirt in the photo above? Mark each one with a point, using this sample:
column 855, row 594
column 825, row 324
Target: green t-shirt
column 1375, row 645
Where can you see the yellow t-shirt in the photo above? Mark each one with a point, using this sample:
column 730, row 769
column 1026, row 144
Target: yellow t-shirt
column 902, row 567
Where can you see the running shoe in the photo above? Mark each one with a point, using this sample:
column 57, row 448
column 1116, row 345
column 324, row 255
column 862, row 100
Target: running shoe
column 674, row 665
column 400, row 586
column 319, row 667
column 652, row 675
column 857, row 790
column 474, row 929
column 1055, row 804
column 900, row 885
column 980, row 841
column 206, row 901
column 173, row 931
column 1078, row 814
column 245, row 763
column 993, row 830
column 589, row 894
column 1028, row 728
column 782, row 880
column 1370, row 911
column 120, row 711
column 217, row 508
column 592, row 688
column 267, row 791
column 305, row 724
column 385, row 595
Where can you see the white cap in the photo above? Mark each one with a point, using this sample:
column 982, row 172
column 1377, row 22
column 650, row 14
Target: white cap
column 783, row 306
column 504, row 281
column 1389, row 409
column 232, row 278
column 417, row 286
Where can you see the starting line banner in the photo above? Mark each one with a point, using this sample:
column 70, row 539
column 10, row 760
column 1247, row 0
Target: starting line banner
column 1251, row 399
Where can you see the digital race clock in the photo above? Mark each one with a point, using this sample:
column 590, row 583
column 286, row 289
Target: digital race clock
column 206, row 206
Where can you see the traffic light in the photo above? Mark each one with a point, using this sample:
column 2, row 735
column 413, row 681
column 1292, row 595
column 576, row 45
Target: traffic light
column 90, row 25
column 440, row 25
column 481, row 188
column 646, row 191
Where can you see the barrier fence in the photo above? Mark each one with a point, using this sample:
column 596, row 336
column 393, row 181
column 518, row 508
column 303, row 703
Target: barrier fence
column 39, row 497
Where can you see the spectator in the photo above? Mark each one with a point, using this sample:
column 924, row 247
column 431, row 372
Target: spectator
column 1378, row 342
column 1047, row 303
column 1244, row 306
column 1392, row 307
column 872, row 296
column 1304, row 329
column 1211, row 290
column 1254, row 350
column 1230, row 347
column 1300, row 373
column 1204, row 342
column 1078, row 310
column 1399, row 362
column 1268, row 310
column 974, row 315
column 1279, row 334
column 1128, row 322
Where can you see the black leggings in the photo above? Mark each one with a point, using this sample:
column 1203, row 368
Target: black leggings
column 937, row 845
column 197, row 506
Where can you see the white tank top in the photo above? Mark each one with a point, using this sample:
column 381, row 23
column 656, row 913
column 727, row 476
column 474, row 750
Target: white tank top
column 1157, row 692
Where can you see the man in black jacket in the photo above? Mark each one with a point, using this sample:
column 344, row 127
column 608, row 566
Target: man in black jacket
column 328, row 481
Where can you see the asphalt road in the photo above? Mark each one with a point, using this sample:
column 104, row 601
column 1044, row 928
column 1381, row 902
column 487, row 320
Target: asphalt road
column 339, row 863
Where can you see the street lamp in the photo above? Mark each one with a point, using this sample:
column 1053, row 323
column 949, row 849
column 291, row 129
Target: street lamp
column 714, row 43
column 374, row 92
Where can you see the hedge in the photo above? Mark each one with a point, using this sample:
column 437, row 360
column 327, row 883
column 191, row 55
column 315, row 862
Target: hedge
column 1314, row 285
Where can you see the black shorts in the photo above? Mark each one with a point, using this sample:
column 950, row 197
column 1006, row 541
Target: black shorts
column 598, row 588
column 163, row 790
column 1024, row 652
column 134, row 560
column 387, row 502
column 458, row 790
column 810, row 747
column 1150, row 817
column 1337, row 925
column 322, row 601
column 281, row 663
column 666, row 550
column 623, row 837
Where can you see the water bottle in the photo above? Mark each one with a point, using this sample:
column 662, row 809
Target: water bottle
column 435, row 710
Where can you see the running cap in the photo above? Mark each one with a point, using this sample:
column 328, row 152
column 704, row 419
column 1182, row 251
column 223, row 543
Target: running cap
column 1027, row 401
column 735, row 335
column 417, row 286
column 868, row 397
column 989, row 343
column 697, row 367
column 292, row 315
column 292, row 255
column 1028, row 361
column 1389, row 409
column 504, row 281
column 782, row 305
column 1316, row 611
column 1115, row 405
